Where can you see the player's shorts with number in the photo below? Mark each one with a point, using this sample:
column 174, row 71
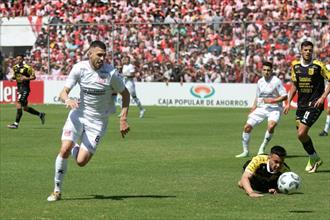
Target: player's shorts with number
column 308, row 115
column 260, row 114
column 88, row 131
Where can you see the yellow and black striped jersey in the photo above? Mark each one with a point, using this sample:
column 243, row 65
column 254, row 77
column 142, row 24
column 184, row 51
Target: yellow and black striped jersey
column 309, row 81
column 23, row 70
column 258, row 167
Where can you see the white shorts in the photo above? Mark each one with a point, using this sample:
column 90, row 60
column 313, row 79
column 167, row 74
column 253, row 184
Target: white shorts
column 260, row 114
column 130, row 85
column 89, row 132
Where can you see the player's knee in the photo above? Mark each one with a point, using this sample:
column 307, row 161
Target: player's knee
column 81, row 163
column 25, row 108
column 248, row 128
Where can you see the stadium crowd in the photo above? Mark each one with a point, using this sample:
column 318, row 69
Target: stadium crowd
column 176, row 40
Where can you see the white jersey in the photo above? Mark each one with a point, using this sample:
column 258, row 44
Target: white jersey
column 272, row 88
column 128, row 70
column 96, row 89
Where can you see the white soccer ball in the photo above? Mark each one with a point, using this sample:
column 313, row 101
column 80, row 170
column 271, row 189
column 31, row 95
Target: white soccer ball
column 288, row 182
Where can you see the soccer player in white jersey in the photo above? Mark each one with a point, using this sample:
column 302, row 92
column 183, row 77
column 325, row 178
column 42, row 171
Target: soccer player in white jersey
column 88, row 119
column 325, row 130
column 128, row 72
column 268, row 104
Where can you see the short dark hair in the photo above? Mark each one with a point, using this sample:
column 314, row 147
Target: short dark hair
column 267, row 63
column 99, row 44
column 278, row 150
column 306, row 43
column 20, row 55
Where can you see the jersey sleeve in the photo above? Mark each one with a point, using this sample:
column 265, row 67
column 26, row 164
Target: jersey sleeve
column 253, row 165
column 31, row 72
column 117, row 82
column 325, row 72
column 280, row 88
column 73, row 77
column 293, row 73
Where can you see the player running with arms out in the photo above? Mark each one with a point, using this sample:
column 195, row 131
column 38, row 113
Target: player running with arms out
column 268, row 104
column 260, row 174
column 128, row 72
column 23, row 74
column 88, row 119
column 307, row 75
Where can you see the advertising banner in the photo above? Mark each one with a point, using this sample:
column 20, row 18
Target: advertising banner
column 8, row 91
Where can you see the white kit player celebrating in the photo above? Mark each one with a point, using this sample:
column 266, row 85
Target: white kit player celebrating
column 128, row 72
column 268, row 104
column 88, row 119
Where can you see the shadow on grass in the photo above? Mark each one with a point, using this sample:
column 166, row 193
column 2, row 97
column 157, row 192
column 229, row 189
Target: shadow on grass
column 121, row 197
column 301, row 211
column 293, row 156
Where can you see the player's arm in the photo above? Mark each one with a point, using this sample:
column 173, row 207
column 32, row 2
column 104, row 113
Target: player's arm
column 124, row 127
column 326, row 74
column 291, row 94
column 246, row 185
column 31, row 73
column 64, row 97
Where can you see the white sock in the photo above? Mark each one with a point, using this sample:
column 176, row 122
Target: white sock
column 138, row 103
column 327, row 124
column 75, row 151
column 268, row 136
column 245, row 141
column 60, row 170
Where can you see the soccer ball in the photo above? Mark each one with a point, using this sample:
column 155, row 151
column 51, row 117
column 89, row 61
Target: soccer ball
column 288, row 182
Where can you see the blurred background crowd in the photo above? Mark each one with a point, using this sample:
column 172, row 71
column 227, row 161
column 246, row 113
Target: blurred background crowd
column 212, row 41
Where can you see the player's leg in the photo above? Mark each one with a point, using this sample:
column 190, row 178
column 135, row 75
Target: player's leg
column 41, row 115
column 306, row 119
column 246, row 135
column 254, row 118
column 327, row 122
column 273, row 118
column 132, row 91
column 72, row 130
column 19, row 112
column 93, row 132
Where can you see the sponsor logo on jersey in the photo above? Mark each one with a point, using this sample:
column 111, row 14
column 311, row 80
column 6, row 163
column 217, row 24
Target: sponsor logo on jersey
column 202, row 91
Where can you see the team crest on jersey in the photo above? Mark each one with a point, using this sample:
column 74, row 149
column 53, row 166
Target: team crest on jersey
column 310, row 71
column 67, row 133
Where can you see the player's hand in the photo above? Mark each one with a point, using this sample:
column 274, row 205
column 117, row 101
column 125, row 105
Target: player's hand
column 24, row 78
column 286, row 109
column 124, row 127
column 255, row 194
column 273, row 191
column 72, row 103
column 319, row 103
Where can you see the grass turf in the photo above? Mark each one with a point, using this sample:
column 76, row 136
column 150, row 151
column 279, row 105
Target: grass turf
column 176, row 163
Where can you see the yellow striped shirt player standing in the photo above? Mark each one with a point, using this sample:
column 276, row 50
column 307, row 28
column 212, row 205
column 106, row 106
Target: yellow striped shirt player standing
column 308, row 75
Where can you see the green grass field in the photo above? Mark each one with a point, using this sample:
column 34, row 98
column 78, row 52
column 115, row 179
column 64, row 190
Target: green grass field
column 176, row 163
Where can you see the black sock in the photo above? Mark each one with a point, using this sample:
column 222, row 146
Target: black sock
column 32, row 111
column 309, row 147
column 19, row 114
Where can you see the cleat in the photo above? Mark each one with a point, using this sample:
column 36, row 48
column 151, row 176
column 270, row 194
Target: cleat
column 55, row 196
column 244, row 154
column 142, row 113
column 42, row 117
column 12, row 126
column 315, row 166
column 309, row 165
column 323, row 133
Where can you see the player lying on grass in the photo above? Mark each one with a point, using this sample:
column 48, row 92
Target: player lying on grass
column 260, row 174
